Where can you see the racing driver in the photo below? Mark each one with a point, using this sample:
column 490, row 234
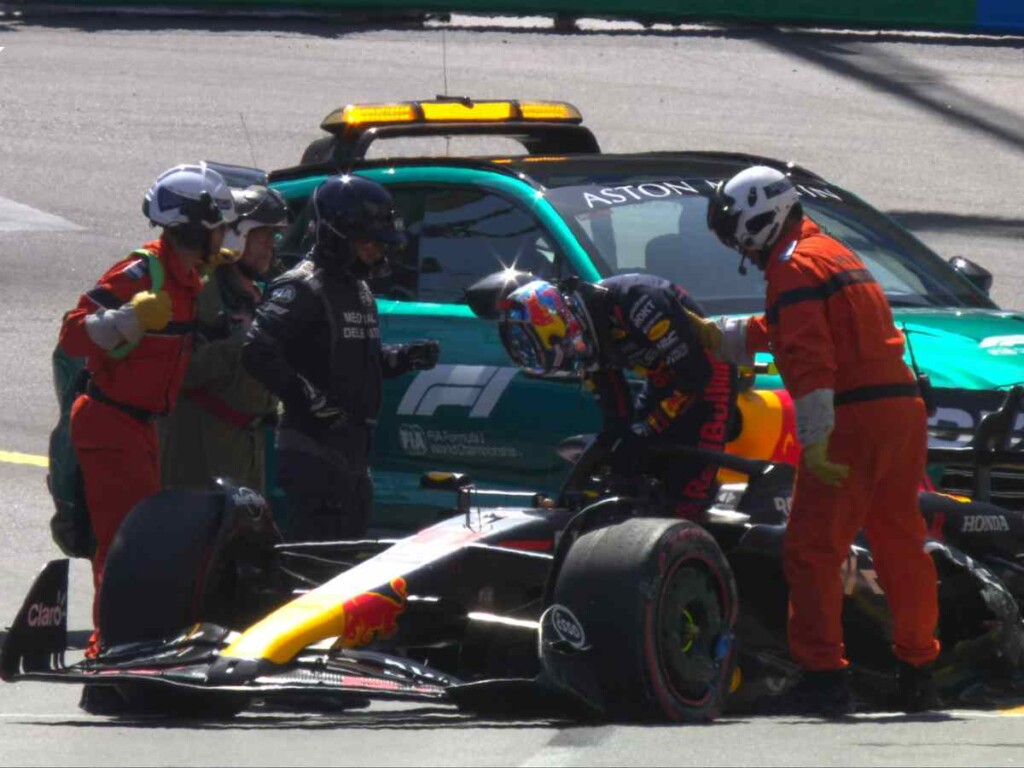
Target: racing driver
column 134, row 329
column 862, row 426
column 639, row 323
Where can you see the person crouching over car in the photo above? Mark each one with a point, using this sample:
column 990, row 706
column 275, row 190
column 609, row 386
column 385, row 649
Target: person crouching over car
column 315, row 343
column 134, row 329
column 217, row 428
column 861, row 423
column 638, row 323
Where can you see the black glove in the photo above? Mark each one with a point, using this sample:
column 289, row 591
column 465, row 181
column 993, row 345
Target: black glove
column 308, row 397
column 422, row 354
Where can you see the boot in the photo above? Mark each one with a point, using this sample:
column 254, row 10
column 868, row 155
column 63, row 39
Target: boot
column 916, row 691
column 821, row 693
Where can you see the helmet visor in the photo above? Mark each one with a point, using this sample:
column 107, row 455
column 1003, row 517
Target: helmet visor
column 523, row 346
column 723, row 218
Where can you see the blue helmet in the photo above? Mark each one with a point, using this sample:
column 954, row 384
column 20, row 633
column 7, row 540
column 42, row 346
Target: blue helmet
column 351, row 208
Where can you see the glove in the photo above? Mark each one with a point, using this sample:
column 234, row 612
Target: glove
column 219, row 259
column 817, row 463
column 422, row 355
column 318, row 405
column 153, row 310
column 707, row 331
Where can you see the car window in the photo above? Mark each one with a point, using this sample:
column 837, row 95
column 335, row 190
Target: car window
column 670, row 238
column 455, row 236
column 660, row 226
column 465, row 234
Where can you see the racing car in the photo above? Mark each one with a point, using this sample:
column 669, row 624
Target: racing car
column 589, row 604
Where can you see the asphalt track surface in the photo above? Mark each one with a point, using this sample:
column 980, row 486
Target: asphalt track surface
column 927, row 127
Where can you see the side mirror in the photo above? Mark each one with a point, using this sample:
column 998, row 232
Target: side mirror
column 485, row 294
column 980, row 277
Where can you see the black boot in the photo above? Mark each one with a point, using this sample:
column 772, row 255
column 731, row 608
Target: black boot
column 102, row 700
column 822, row 693
column 916, row 692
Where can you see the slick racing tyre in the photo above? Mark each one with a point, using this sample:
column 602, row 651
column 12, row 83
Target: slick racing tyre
column 182, row 557
column 642, row 621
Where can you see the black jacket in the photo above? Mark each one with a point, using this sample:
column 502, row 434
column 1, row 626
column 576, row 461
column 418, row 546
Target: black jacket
column 322, row 326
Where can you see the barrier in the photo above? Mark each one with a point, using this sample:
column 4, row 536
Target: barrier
column 961, row 15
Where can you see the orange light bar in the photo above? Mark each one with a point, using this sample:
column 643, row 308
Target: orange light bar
column 528, row 159
column 552, row 111
column 449, row 111
column 457, row 112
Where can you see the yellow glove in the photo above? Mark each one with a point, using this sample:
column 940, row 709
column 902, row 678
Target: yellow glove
column 219, row 259
column 707, row 331
column 152, row 309
column 817, row 463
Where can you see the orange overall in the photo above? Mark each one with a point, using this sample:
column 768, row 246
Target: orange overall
column 830, row 327
column 112, row 424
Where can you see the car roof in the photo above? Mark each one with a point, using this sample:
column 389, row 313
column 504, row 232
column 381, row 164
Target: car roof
column 576, row 169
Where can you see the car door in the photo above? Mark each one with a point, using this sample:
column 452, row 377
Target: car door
column 474, row 412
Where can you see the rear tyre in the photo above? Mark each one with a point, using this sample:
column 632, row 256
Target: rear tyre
column 657, row 603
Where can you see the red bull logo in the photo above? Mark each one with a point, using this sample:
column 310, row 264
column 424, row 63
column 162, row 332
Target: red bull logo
column 373, row 615
column 545, row 317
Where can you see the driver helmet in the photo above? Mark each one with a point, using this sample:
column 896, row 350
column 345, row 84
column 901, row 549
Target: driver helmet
column 748, row 211
column 543, row 331
column 351, row 208
column 257, row 206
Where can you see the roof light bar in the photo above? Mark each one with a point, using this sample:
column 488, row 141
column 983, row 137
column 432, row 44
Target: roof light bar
column 449, row 111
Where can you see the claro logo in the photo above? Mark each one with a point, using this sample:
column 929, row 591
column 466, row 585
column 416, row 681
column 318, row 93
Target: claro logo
column 43, row 615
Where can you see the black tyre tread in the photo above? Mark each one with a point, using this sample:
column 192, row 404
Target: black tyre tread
column 153, row 569
column 609, row 579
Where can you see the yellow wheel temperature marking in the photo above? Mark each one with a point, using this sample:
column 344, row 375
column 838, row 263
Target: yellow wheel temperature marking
column 690, row 630
column 12, row 457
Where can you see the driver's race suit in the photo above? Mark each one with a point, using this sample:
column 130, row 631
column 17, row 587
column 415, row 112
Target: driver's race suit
column 315, row 343
column 687, row 397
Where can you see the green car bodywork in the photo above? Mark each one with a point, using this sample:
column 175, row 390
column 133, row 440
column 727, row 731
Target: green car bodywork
column 478, row 415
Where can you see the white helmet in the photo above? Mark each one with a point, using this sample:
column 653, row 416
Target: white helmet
column 192, row 196
column 748, row 211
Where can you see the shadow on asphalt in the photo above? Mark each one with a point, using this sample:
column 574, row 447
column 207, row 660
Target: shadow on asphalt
column 906, row 81
column 434, row 717
column 341, row 24
column 418, row 718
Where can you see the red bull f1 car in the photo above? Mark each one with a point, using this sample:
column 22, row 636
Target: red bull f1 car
column 589, row 604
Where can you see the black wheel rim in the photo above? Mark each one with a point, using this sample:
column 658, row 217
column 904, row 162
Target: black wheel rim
column 689, row 626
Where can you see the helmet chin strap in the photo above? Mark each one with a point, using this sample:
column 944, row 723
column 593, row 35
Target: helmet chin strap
column 742, row 269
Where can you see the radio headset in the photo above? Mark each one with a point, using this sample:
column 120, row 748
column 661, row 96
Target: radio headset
column 924, row 382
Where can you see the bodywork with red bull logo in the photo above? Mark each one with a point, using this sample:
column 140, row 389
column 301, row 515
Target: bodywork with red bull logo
column 593, row 601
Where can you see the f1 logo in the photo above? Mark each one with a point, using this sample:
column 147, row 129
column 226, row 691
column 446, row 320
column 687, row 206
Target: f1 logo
column 477, row 387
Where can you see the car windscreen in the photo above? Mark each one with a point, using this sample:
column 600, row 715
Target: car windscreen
column 658, row 225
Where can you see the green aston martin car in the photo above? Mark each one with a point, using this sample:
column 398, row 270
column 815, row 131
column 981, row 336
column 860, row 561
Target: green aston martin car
column 561, row 207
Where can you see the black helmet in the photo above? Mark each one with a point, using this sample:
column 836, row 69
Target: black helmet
column 352, row 208
column 256, row 206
